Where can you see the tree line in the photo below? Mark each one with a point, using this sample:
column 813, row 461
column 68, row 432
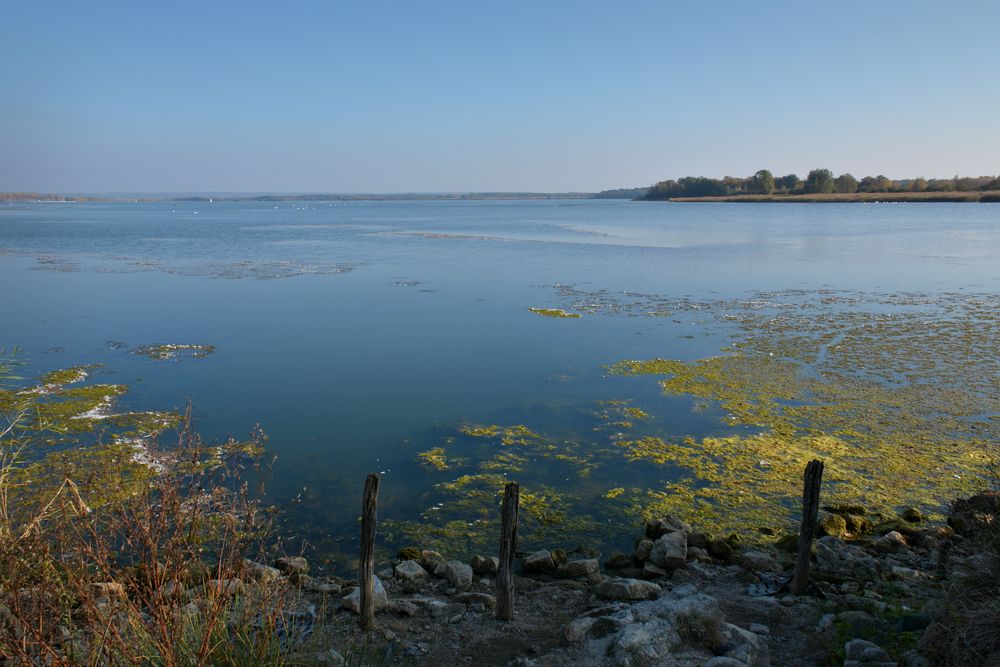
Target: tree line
column 818, row 181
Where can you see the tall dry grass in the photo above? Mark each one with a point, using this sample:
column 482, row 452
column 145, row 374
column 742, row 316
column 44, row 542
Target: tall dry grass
column 156, row 577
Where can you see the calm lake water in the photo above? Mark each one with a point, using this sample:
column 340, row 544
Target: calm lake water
column 361, row 334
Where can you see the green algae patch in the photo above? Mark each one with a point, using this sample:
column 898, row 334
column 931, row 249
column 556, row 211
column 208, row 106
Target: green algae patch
column 518, row 434
column 436, row 459
column 554, row 312
column 900, row 403
column 172, row 351
column 77, row 409
column 635, row 413
column 61, row 435
column 59, row 378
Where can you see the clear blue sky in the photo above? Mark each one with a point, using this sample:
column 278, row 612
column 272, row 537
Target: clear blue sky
column 461, row 96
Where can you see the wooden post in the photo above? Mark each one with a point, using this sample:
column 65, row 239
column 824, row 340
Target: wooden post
column 508, row 545
column 366, row 569
column 810, row 508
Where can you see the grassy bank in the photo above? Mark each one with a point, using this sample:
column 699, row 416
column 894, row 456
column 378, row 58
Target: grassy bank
column 840, row 197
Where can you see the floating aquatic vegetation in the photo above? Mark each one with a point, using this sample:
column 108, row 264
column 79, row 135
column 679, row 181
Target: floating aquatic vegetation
column 554, row 312
column 437, row 460
column 898, row 393
column 175, row 351
column 59, row 432
column 509, row 435
column 901, row 404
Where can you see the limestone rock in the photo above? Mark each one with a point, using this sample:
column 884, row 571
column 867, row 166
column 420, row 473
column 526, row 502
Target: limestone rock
column 890, row 542
column 430, row 560
column 835, row 557
column 352, row 600
column 410, row 571
column 627, row 589
column 577, row 629
column 656, row 528
column 579, row 568
column 685, row 627
column 650, row 571
column 642, row 550
column 670, row 551
column 458, row 574
column 540, row 561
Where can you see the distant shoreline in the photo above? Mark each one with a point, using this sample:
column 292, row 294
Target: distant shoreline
column 853, row 197
column 33, row 197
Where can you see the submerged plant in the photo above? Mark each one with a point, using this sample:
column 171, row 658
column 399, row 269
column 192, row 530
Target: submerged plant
column 175, row 350
column 554, row 312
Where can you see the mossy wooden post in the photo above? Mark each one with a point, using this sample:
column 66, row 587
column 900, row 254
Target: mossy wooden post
column 366, row 570
column 508, row 545
column 810, row 509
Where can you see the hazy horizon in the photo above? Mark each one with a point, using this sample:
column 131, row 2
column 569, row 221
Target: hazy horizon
column 457, row 98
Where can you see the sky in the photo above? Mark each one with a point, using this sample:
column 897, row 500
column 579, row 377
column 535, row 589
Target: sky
column 474, row 96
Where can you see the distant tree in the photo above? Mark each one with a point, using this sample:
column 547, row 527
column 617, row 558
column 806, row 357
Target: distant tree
column 845, row 183
column 940, row 185
column 875, row 184
column 819, row 181
column 788, row 183
column 966, row 184
column 733, row 185
column 993, row 185
column 689, row 186
column 918, row 184
column 761, row 183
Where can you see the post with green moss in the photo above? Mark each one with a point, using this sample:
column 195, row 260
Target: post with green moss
column 508, row 546
column 366, row 570
column 810, row 509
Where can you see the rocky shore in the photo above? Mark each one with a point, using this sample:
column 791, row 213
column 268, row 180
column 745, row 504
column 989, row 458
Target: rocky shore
column 882, row 593
column 682, row 597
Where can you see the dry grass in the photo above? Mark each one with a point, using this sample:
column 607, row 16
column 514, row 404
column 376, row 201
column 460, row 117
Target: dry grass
column 156, row 577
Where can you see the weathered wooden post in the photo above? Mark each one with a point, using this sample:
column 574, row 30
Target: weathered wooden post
column 810, row 508
column 508, row 545
column 366, row 569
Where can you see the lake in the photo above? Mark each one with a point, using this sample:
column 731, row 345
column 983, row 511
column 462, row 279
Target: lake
column 396, row 337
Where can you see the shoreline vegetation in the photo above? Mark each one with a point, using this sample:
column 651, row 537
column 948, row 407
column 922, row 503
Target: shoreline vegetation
column 990, row 196
column 820, row 185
